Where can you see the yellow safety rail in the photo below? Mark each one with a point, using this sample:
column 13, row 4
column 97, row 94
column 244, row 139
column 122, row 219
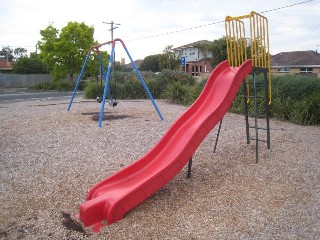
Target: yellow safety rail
column 237, row 43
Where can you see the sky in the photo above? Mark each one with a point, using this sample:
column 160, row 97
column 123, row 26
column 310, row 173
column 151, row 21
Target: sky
column 148, row 26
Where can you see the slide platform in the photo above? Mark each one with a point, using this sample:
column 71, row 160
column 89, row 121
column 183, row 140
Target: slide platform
column 113, row 197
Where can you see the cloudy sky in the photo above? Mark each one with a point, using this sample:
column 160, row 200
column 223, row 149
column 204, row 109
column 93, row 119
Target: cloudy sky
column 147, row 26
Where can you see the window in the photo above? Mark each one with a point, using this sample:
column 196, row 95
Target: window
column 306, row 70
column 192, row 53
column 284, row 70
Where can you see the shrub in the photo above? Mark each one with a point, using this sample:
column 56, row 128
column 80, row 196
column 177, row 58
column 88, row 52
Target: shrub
column 295, row 99
column 307, row 110
column 176, row 92
column 61, row 85
column 167, row 76
column 155, row 88
column 295, row 86
column 92, row 90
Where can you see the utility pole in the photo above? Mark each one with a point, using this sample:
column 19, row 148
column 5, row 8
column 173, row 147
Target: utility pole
column 114, row 53
column 112, row 27
column 111, row 30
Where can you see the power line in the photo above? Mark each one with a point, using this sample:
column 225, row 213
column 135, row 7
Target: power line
column 217, row 22
column 112, row 27
column 292, row 5
column 198, row 26
column 177, row 31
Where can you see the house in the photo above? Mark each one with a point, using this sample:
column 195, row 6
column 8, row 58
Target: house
column 297, row 62
column 196, row 60
column 129, row 66
column 6, row 66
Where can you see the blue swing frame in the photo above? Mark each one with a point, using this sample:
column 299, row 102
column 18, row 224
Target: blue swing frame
column 107, row 77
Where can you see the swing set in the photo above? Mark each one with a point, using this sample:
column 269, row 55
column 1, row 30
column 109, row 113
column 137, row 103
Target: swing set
column 106, row 76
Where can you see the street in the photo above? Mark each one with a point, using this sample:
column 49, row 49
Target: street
column 14, row 95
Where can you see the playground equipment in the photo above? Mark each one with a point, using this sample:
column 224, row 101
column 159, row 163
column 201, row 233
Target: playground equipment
column 107, row 77
column 113, row 197
column 237, row 49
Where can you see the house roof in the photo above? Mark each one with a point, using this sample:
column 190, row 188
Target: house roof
column 4, row 65
column 296, row 58
column 190, row 45
column 137, row 62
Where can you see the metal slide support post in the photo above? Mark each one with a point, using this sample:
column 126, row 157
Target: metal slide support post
column 144, row 84
column 246, row 112
column 189, row 168
column 256, row 115
column 267, row 101
column 79, row 78
column 106, row 86
column 217, row 138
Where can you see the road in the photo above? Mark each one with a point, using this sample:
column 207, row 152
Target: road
column 10, row 95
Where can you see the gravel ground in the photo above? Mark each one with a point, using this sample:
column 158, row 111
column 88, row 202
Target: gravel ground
column 50, row 158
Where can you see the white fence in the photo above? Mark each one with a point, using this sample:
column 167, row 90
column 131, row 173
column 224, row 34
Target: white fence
column 22, row 80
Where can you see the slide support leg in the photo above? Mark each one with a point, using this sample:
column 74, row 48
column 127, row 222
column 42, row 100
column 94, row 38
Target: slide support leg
column 189, row 168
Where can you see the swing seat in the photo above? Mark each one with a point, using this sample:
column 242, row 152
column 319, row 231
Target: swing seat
column 99, row 99
column 113, row 103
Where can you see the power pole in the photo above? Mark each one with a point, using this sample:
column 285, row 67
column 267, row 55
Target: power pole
column 111, row 30
column 114, row 53
column 112, row 27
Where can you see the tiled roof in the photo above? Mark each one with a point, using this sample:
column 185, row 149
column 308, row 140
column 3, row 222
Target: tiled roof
column 4, row 65
column 296, row 58
column 137, row 62
column 190, row 45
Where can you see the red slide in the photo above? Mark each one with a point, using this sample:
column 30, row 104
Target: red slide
column 116, row 195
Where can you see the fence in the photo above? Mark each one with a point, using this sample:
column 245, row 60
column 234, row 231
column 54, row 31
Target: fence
column 22, row 80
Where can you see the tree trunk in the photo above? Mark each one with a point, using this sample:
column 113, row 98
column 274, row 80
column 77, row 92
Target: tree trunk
column 70, row 79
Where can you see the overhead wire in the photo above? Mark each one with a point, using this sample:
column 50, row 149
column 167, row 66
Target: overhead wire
column 214, row 23
column 203, row 25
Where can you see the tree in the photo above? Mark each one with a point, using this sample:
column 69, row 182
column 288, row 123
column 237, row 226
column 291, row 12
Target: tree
column 29, row 65
column 65, row 54
column 7, row 53
column 218, row 49
column 20, row 52
column 151, row 63
column 167, row 59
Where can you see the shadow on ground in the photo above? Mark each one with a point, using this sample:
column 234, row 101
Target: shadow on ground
column 106, row 116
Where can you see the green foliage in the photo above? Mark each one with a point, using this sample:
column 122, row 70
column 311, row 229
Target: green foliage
column 217, row 48
column 20, row 52
column 177, row 92
column 92, row 90
column 29, row 65
column 65, row 54
column 127, row 85
column 295, row 87
column 7, row 53
column 159, row 62
column 308, row 110
column 168, row 60
column 151, row 63
column 56, row 85
column 155, row 87
column 170, row 76
column 295, row 99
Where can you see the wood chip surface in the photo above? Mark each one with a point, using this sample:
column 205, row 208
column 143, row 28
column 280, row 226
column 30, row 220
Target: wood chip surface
column 50, row 158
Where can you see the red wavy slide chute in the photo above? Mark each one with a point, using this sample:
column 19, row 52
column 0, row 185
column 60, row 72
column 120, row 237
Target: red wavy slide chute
column 113, row 197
